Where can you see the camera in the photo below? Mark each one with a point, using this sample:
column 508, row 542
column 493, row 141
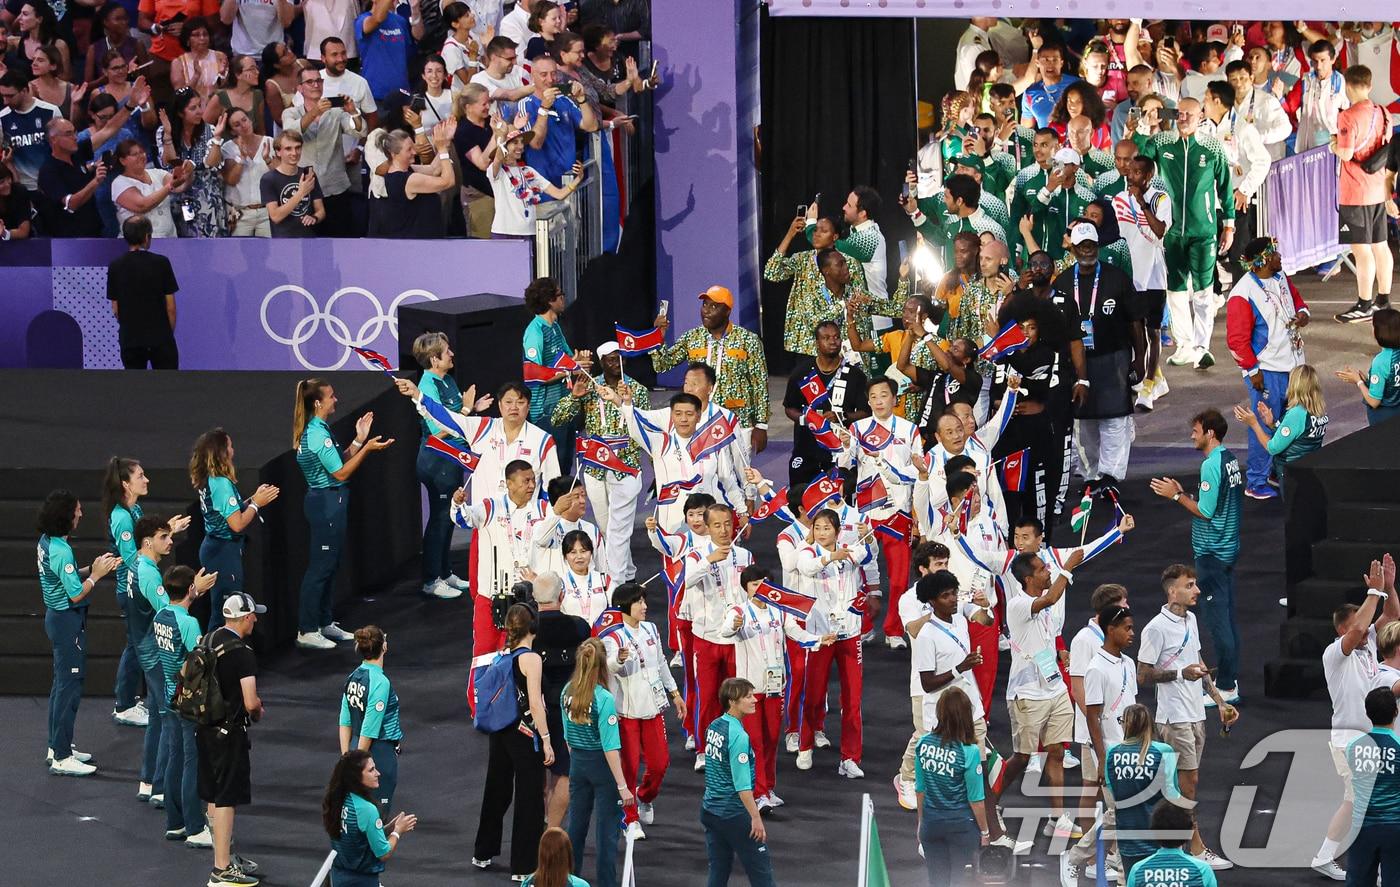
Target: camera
column 337, row 101
column 418, row 102
column 506, row 597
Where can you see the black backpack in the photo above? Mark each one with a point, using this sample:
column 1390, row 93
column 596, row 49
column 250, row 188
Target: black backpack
column 198, row 696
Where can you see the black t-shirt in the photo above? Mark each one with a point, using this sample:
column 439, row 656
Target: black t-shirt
column 469, row 136
column 57, row 180
column 943, row 391
column 1113, row 313
column 236, row 663
column 138, row 282
column 556, row 640
column 1023, row 305
column 16, row 209
column 1038, row 367
column 278, row 188
column 846, row 385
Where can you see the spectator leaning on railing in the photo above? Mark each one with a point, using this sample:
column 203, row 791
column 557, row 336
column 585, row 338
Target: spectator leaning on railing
column 517, row 187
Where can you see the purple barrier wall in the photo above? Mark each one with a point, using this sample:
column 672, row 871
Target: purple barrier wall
column 256, row 303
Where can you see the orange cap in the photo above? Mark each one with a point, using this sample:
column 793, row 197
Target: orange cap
column 719, row 294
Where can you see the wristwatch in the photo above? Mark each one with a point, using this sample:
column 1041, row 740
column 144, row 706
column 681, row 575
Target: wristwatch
column 1176, row 495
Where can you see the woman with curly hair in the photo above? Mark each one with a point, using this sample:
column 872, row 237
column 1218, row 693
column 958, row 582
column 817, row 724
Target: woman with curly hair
column 1081, row 99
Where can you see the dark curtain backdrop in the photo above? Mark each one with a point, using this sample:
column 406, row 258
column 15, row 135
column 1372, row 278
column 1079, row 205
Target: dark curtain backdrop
column 838, row 111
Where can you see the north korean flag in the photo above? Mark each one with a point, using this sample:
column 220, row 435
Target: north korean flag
column 875, row 439
column 787, row 600
column 897, row 526
column 374, row 358
column 632, row 342
column 609, row 622
column 462, row 456
column 713, row 436
column 871, row 494
column 820, row 492
column 595, row 453
column 1007, row 342
column 964, row 514
column 821, row 429
column 537, row 373
column 1013, row 471
column 566, row 362
column 673, row 574
column 671, row 492
column 776, row 504
column 814, row 389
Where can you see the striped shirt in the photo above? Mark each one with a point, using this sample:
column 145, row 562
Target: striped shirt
column 728, row 767
column 1216, row 532
column 217, row 500
column 176, row 634
column 601, row 732
column 318, row 456
column 58, row 575
column 369, row 706
column 121, row 524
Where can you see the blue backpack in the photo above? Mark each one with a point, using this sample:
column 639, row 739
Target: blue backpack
column 496, row 702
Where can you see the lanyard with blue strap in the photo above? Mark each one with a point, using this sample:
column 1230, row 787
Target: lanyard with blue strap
column 1086, row 324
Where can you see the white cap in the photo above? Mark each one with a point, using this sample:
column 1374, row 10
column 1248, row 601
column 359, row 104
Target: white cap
column 608, row 347
column 236, row 606
column 1082, row 232
column 1068, row 155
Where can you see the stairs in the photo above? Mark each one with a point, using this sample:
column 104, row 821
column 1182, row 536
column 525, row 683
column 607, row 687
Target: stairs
column 27, row 658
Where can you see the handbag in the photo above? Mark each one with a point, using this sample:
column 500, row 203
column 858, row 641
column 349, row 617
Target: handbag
column 1380, row 157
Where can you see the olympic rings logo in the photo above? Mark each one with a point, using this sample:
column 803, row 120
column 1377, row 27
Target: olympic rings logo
column 339, row 331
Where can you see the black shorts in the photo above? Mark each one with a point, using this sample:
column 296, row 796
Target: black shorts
column 554, row 716
column 225, row 768
column 1154, row 306
column 1361, row 224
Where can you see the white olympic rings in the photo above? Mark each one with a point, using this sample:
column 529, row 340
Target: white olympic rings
column 308, row 326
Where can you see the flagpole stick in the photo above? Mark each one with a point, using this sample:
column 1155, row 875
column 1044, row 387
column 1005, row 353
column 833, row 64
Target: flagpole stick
column 653, row 576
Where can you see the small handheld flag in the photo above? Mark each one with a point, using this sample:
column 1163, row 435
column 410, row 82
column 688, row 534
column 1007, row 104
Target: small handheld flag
column 609, row 622
column 634, row 342
column 789, row 601
column 874, row 439
column 814, row 389
column 566, row 362
column 713, row 436
column 776, row 504
column 819, row 492
column 1013, row 471
column 595, row 453
column 821, row 429
column 871, row 494
column 671, row 492
column 374, row 358
column 461, row 455
column 1079, row 518
column 1007, row 342
column 964, row 514
column 537, row 373
column 897, row 526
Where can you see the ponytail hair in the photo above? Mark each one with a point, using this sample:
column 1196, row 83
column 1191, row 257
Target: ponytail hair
column 308, row 392
column 119, row 471
column 520, row 621
column 369, row 642
column 348, row 778
column 1137, row 727
column 209, row 458
column 590, row 670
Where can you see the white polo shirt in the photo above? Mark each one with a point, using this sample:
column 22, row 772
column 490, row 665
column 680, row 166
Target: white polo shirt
column 939, row 648
column 1081, row 653
column 1349, row 679
column 1031, row 634
column 1171, row 641
column 910, row 609
column 1111, row 681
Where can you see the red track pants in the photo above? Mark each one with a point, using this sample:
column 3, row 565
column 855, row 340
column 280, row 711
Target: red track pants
column 686, row 640
column 847, row 657
column 797, row 689
column 643, row 740
column 765, row 729
column 713, row 663
column 897, row 569
column 986, row 638
column 486, row 637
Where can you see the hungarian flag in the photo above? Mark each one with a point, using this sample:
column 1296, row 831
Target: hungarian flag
column 595, row 453
column 1080, row 516
column 814, row 389
column 820, row 492
column 897, row 526
column 1013, row 471
column 874, row 439
column 537, row 373
column 871, row 494
column 633, row 342
column 713, row 436
column 1007, row 342
column 462, row 456
column 787, row 600
column 374, row 358
column 821, row 429
column 609, row 621
column 776, row 504
column 671, row 492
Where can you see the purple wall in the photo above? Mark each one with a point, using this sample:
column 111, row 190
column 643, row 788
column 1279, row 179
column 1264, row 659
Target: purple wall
column 254, row 303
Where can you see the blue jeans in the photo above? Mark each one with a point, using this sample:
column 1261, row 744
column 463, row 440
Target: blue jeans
column 441, row 479
column 183, row 808
column 67, row 631
column 154, row 753
column 386, row 761
column 1260, row 462
column 128, row 684
column 1374, row 847
column 225, row 557
column 325, row 511
column 593, row 795
column 1216, row 580
column 727, row 837
column 948, row 847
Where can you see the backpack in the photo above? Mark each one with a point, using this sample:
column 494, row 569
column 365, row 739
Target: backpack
column 198, row 696
column 497, row 702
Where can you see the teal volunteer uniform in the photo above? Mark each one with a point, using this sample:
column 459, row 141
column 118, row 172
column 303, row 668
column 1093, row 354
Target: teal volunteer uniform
column 440, row 477
column 370, row 707
column 65, row 622
column 222, row 549
column 1215, row 540
column 176, row 633
column 729, row 767
column 1374, row 760
column 148, row 600
column 949, row 774
column 121, row 524
column 1171, row 867
column 327, row 503
column 361, row 845
column 592, row 787
column 1297, row 434
column 1383, row 383
column 1144, row 779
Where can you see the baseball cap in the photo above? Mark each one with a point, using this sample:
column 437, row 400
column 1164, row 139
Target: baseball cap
column 236, row 606
column 1217, row 34
column 608, row 347
column 1068, row 155
column 1082, row 232
column 719, row 294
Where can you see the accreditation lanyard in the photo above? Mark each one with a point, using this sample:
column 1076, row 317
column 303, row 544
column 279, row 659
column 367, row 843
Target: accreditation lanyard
column 1093, row 295
column 1122, row 664
column 1181, row 648
column 714, row 353
column 763, row 623
column 586, row 595
column 938, row 624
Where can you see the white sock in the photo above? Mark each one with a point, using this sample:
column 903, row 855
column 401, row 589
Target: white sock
column 1329, row 850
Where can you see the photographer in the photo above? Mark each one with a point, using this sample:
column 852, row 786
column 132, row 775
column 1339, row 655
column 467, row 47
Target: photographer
column 143, row 190
column 568, row 115
column 321, row 122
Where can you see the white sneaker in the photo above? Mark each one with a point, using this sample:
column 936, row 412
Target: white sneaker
column 699, row 763
column 1069, row 872
column 1144, row 400
column 645, row 812
column 822, row 741
column 175, row 834
column 690, row 743
column 1160, row 388
column 1220, row 864
column 868, row 637
column 850, row 770
column 790, row 742
column 457, row 582
column 1232, row 697
column 440, row 589
column 1070, row 760
column 908, row 798
column 895, row 643
column 1283, row 602
column 71, row 767
column 920, row 845
column 775, row 800
column 481, row 863
column 158, row 801
column 804, row 760
column 1329, row 869
column 676, row 660
column 201, row 841
column 1183, row 357
column 144, row 790
column 1064, row 827
column 763, row 804
column 634, row 832
column 314, row 640
column 136, row 716
column 1019, row 848
column 82, row 756
column 1036, row 763
column 336, row 633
